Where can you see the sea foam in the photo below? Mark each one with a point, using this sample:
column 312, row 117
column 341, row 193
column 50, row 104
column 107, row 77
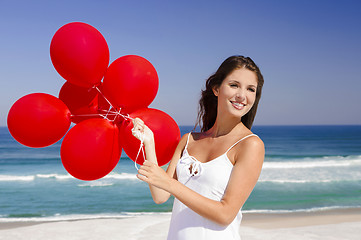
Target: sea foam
column 324, row 162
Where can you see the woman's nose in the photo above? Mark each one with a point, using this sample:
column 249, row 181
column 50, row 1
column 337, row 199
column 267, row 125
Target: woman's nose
column 240, row 95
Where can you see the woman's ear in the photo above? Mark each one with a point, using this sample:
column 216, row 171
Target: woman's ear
column 215, row 91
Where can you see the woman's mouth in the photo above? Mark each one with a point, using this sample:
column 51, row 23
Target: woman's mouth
column 238, row 105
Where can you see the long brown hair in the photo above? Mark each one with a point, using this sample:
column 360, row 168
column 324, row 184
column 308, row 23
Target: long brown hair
column 207, row 112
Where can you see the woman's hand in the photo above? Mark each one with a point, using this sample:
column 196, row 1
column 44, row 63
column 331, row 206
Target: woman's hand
column 154, row 175
column 160, row 182
column 142, row 132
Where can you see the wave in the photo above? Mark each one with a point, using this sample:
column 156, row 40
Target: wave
column 121, row 176
column 75, row 217
column 303, row 181
column 95, row 184
column 29, row 160
column 116, row 176
column 123, row 215
column 297, row 181
column 126, row 176
column 327, row 161
column 303, row 210
column 6, row 178
column 54, row 175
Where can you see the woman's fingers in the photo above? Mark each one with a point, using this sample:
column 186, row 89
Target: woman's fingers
column 137, row 122
column 145, row 168
column 142, row 177
column 148, row 163
column 154, row 175
column 142, row 132
column 148, row 171
column 138, row 128
column 143, row 172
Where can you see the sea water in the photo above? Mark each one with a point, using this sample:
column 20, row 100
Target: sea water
column 306, row 168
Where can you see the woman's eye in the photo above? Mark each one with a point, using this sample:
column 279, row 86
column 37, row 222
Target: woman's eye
column 233, row 85
column 252, row 89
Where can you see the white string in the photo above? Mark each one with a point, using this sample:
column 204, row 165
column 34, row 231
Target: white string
column 103, row 96
column 111, row 106
column 117, row 113
column 139, row 135
column 106, row 115
column 92, row 115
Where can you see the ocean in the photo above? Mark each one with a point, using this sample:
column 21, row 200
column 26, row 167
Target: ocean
column 306, row 168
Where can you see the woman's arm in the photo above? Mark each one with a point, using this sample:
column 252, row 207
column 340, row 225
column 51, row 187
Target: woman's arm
column 159, row 195
column 245, row 173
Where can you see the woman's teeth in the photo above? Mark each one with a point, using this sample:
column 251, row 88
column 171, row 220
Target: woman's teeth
column 238, row 105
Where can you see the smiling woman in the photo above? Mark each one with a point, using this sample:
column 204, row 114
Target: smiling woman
column 237, row 92
column 208, row 102
column 213, row 172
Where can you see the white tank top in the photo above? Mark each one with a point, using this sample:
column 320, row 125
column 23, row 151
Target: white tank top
column 209, row 179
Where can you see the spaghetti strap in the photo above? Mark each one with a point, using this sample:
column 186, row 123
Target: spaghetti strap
column 250, row 135
column 187, row 140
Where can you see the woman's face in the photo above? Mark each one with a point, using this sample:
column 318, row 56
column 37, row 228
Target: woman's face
column 237, row 93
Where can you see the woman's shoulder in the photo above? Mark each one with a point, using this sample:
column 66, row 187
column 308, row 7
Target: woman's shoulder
column 184, row 140
column 193, row 136
column 251, row 139
column 252, row 144
column 180, row 148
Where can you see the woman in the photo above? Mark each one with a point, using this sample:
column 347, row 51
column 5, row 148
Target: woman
column 213, row 172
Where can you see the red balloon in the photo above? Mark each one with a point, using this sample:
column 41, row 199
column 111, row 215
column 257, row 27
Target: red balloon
column 131, row 83
column 166, row 135
column 80, row 54
column 82, row 102
column 91, row 150
column 38, row 120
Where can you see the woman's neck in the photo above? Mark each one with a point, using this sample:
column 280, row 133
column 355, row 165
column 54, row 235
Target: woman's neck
column 224, row 126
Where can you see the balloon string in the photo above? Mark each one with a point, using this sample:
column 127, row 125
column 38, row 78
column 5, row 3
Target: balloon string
column 141, row 141
column 103, row 96
column 140, row 150
column 99, row 114
column 117, row 113
column 111, row 106
column 106, row 115
column 91, row 115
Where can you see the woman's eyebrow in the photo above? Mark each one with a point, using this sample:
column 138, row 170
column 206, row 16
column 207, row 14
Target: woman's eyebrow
column 238, row 82
column 234, row 80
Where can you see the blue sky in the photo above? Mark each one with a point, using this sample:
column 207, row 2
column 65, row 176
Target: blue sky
column 309, row 51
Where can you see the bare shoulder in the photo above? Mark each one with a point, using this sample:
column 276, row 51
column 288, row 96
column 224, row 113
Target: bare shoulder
column 254, row 142
column 184, row 138
column 250, row 149
column 171, row 170
column 182, row 143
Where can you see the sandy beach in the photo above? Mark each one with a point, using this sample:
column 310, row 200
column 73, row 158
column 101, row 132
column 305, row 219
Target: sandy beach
column 332, row 224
